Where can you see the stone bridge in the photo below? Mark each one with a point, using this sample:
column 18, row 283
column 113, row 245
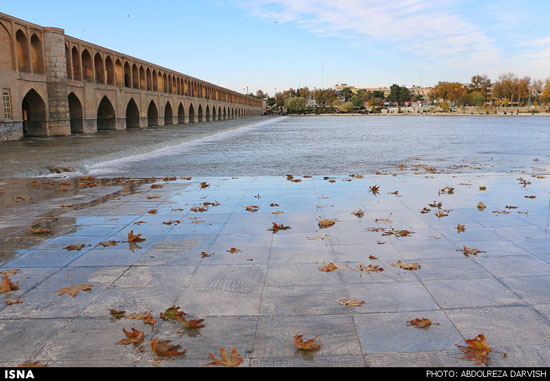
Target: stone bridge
column 56, row 85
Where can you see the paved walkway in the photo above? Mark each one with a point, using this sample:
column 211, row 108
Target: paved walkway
column 258, row 298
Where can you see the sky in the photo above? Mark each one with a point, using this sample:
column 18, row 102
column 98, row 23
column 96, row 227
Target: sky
column 278, row 44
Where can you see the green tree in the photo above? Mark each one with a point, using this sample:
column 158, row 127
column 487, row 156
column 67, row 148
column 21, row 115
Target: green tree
column 346, row 94
column 295, row 104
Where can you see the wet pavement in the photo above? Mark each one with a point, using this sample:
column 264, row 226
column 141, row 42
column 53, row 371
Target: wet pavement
column 259, row 297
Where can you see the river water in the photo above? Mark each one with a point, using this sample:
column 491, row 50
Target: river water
column 313, row 145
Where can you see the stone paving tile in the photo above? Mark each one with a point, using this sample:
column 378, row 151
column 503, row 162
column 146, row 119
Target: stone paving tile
column 45, row 258
column 303, row 300
column 206, row 302
column 300, row 274
column 459, row 293
column 274, row 337
column 389, row 332
column 305, row 361
column 531, row 289
column 438, row 359
column 156, row 276
column 392, row 297
column 229, row 278
column 451, row 268
column 511, row 266
column 502, row 326
column 352, row 275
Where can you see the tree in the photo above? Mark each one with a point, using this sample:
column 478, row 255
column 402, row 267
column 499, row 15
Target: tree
column 357, row 101
column 480, row 83
column 346, row 94
column 346, row 107
column 546, row 92
column 295, row 104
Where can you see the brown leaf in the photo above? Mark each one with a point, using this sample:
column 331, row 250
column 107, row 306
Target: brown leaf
column 152, row 211
column 481, row 206
column 172, row 313
column 77, row 247
column 147, row 317
column 163, row 348
column 375, row 189
column 329, row 268
column 308, row 345
column 477, row 349
column 74, row 290
column 197, row 323
column 135, row 337
column 277, row 227
column 38, row 230
column 421, row 323
column 135, row 237
column 369, row 268
column 7, row 285
column 224, row 360
column 204, row 254
column 468, row 252
column 351, row 302
column 324, row 224
column 204, row 185
column 359, row 214
column 461, row 228
column 10, row 272
column 156, row 186
column 233, row 250
column 108, row 243
column 33, row 364
column 407, row 266
column 11, row 302
column 117, row 314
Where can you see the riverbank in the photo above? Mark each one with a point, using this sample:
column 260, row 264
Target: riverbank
column 258, row 296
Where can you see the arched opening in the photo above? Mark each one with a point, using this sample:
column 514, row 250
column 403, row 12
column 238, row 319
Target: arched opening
column 152, row 115
column 6, row 55
column 68, row 62
column 127, row 75
column 168, row 115
column 181, row 114
column 208, row 116
column 224, row 114
column 37, row 55
column 135, row 77
column 77, row 75
column 165, row 83
column 191, row 114
column 201, row 114
column 160, row 83
column 132, row 115
column 170, row 84
column 149, row 80
column 99, row 70
column 155, row 81
column 87, row 66
column 119, row 73
column 76, row 113
column 34, row 115
column 110, row 71
column 214, row 113
column 106, row 117
column 23, row 63
column 219, row 113
column 142, row 79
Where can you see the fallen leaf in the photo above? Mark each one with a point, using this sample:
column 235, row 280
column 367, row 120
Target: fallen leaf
column 147, row 317
column 481, row 206
column 359, row 214
column 152, row 211
column 33, row 364
column 204, row 185
column 172, row 313
column 74, row 290
column 375, row 189
column 324, row 224
column 369, row 268
column 11, row 302
column 471, row 252
column 308, row 345
column 7, row 285
column 156, row 186
column 351, row 302
column 108, row 243
column 224, row 360
column 204, row 254
column 461, row 228
column 477, row 349
column 373, row 258
column 421, row 323
column 329, row 268
column 407, row 266
column 163, row 348
column 531, row 197
column 199, row 209
column 233, row 250
column 197, row 323
column 135, row 237
column 75, row 247
column 277, row 227
column 134, row 337
column 117, row 314
column 252, row 208
column 38, row 230
column 10, row 272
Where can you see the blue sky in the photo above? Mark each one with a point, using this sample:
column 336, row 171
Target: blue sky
column 277, row 44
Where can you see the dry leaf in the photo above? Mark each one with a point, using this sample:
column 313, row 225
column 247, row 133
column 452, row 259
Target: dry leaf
column 375, row 189
column 204, row 254
column 10, row 272
column 329, row 268
column 204, row 185
column 461, row 228
column 7, row 285
column 233, row 250
column 369, row 268
column 477, row 349
column 11, row 302
column 33, row 364
column 75, row 247
column 134, row 337
column 74, row 290
column 117, row 314
column 481, row 206
column 163, row 348
column 147, row 317
column 252, row 208
column 108, row 243
column 308, row 345
column 471, row 252
column 351, row 302
column 359, row 214
column 135, row 237
column 38, row 230
column 173, row 313
column 323, row 224
column 407, row 266
column 421, row 323
column 277, row 227
column 224, row 360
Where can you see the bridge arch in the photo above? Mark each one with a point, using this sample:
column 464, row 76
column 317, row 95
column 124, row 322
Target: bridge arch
column 76, row 114
column 23, row 62
column 191, row 113
column 155, row 81
column 152, row 115
column 34, row 115
column 37, row 55
column 6, row 50
column 181, row 114
column 200, row 113
column 75, row 55
column 87, row 66
column 214, row 113
column 224, row 113
column 68, row 62
column 119, row 73
column 168, row 114
column 208, row 116
column 127, row 75
column 110, row 71
column 132, row 114
column 135, row 77
column 106, row 116
column 142, row 79
column 149, row 79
